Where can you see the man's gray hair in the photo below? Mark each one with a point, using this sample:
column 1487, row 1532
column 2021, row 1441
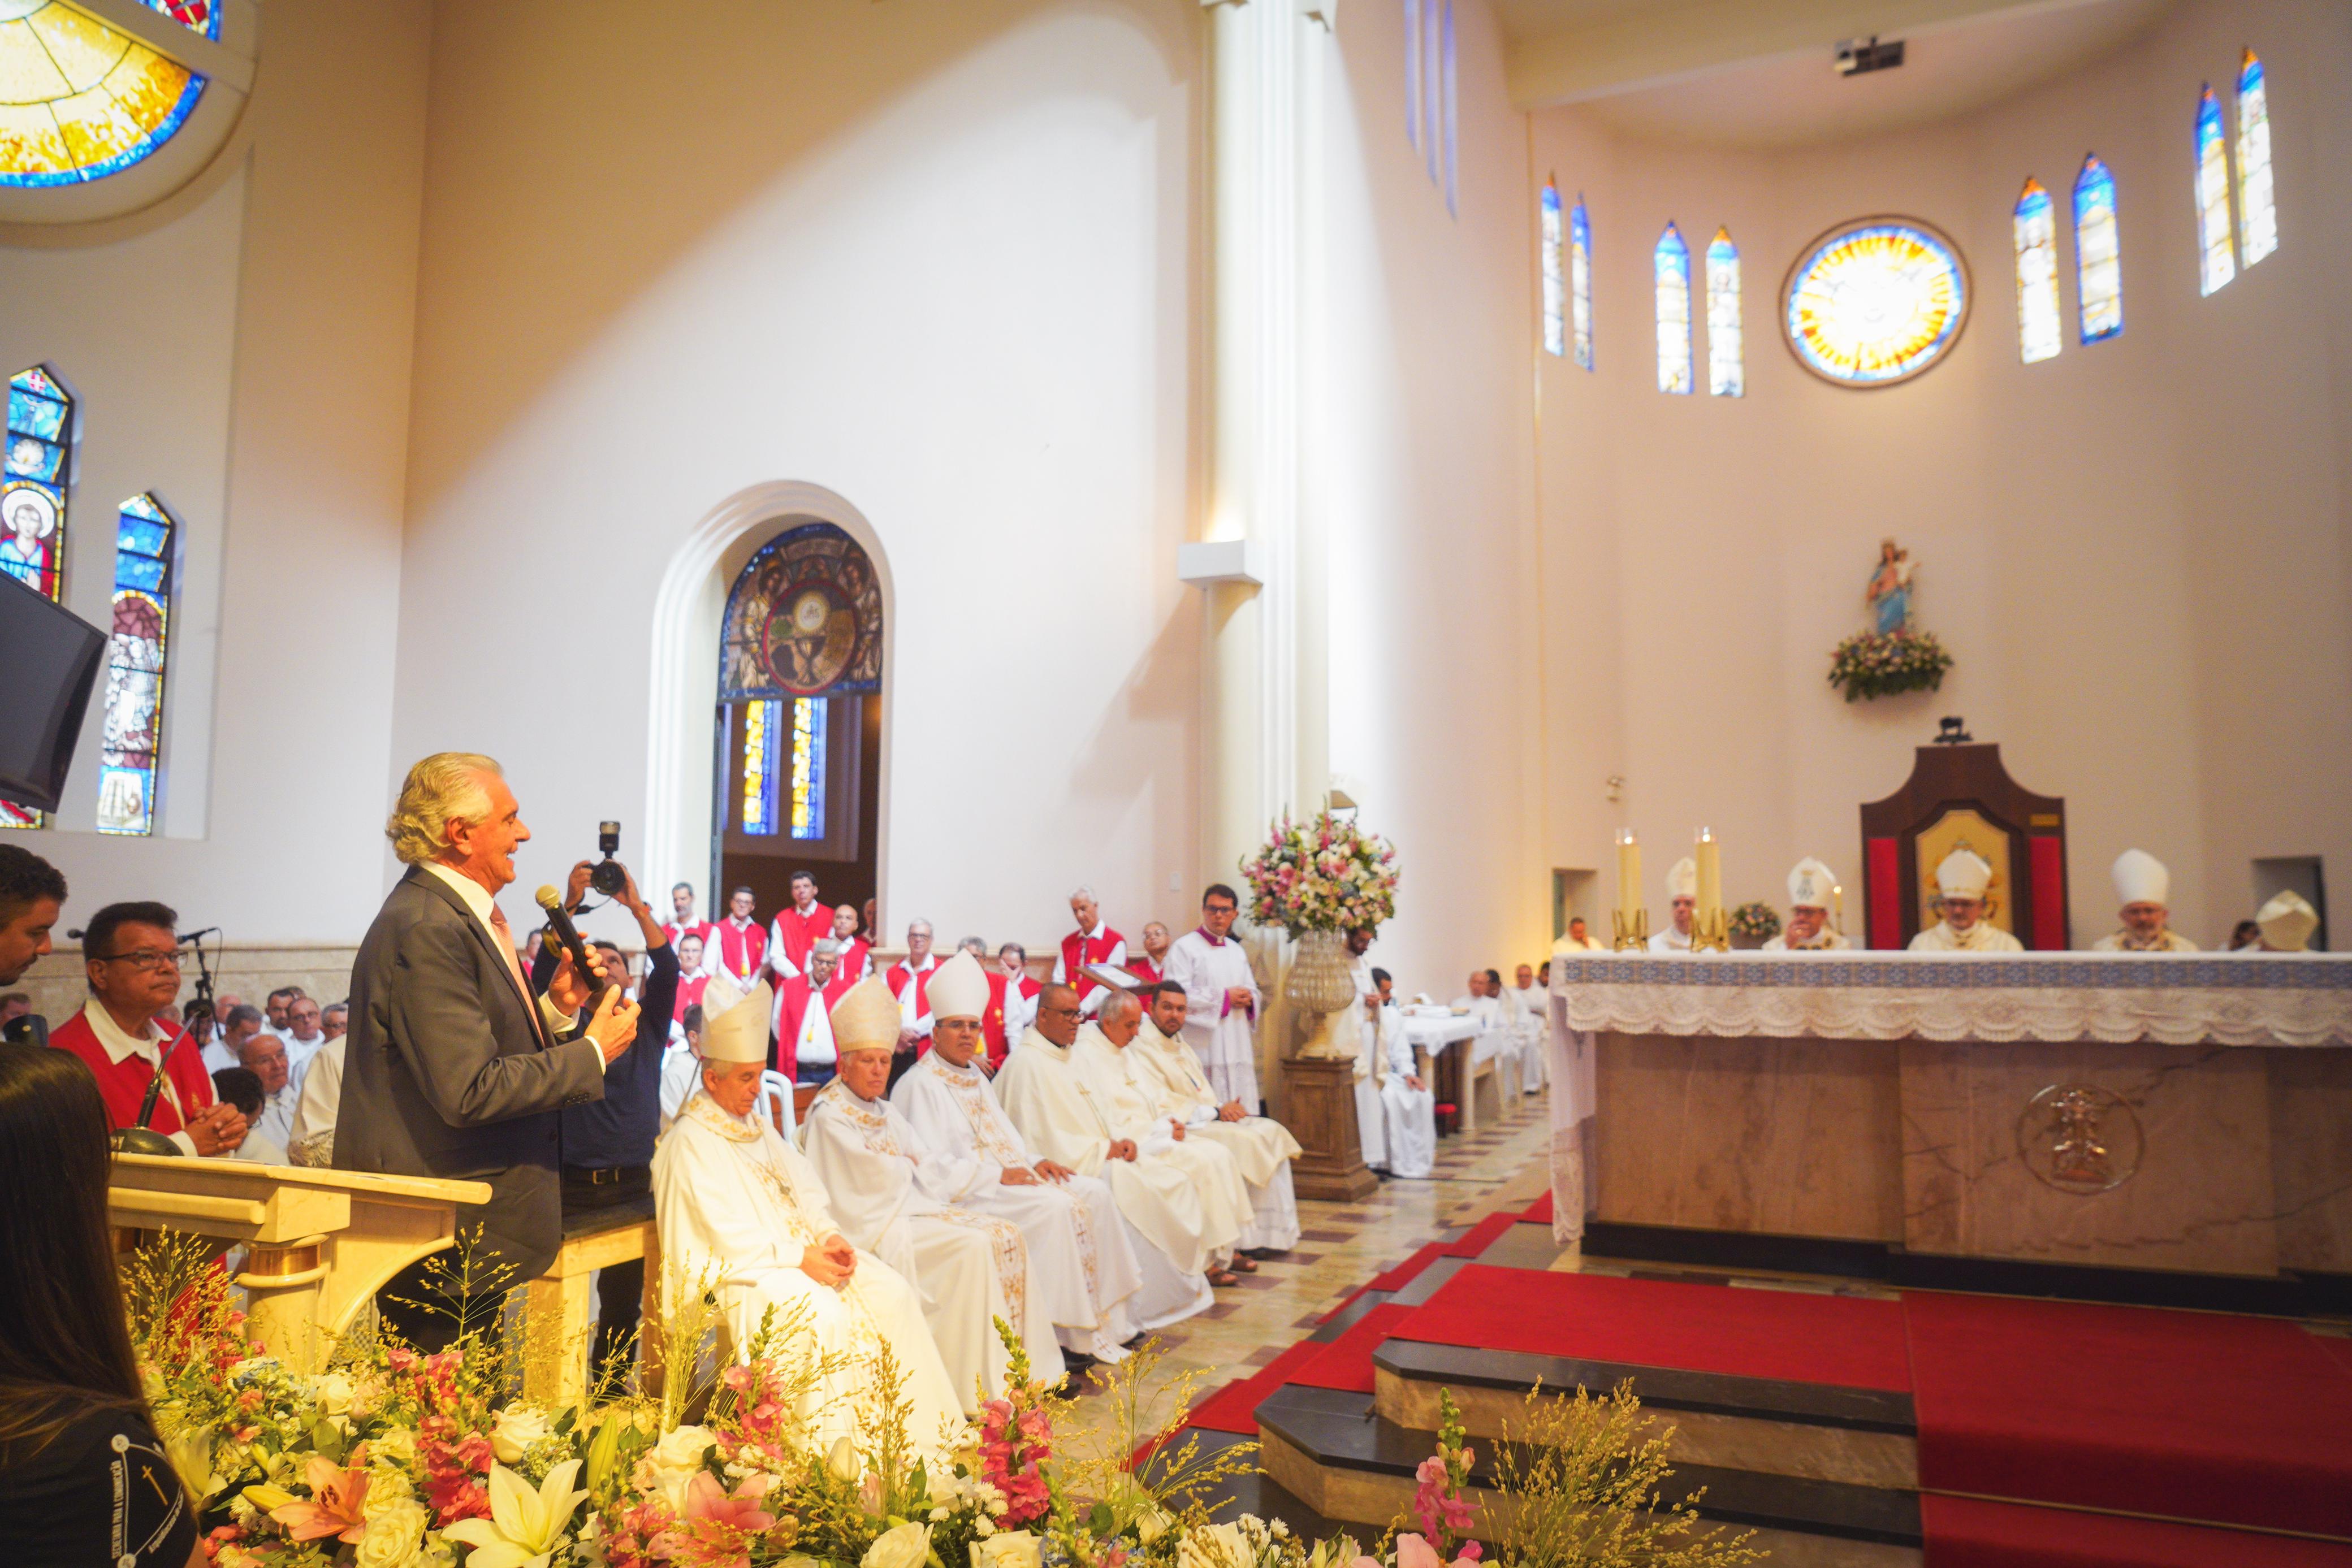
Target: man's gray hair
column 975, row 945
column 1085, row 893
column 445, row 785
column 1118, row 1002
column 919, row 921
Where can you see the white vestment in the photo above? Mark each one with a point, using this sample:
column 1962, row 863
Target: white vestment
column 1172, row 1079
column 1825, row 940
column 1086, row 1271
column 2123, row 941
column 312, row 1140
column 1670, row 941
column 1531, row 1020
column 738, row 1204
column 1982, row 937
column 1408, row 1116
column 681, row 1080
column 1224, row 1036
column 972, row 1268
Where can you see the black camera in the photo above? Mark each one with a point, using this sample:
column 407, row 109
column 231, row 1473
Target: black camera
column 606, row 875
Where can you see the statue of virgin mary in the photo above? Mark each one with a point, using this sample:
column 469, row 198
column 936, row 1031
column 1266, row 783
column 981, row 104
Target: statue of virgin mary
column 1889, row 593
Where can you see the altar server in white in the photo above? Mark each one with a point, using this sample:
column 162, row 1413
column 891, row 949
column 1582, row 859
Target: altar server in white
column 1087, row 1272
column 1961, row 884
column 1531, row 1002
column 1262, row 1147
column 1402, row 1104
column 971, row 1267
column 1221, row 997
column 739, row 1206
column 2144, row 890
column 1682, row 893
column 1807, row 931
column 1100, row 1130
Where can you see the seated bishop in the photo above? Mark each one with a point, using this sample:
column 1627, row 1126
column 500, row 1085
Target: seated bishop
column 1961, row 884
column 1086, row 1270
column 1807, row 931
column 1682, row 898
column 1394, row 1104
column 2286, row 923
column 741, row 1208
column 971, row 1267
column 1098, row 1128
column 2144, row 890
column 1165, row 1067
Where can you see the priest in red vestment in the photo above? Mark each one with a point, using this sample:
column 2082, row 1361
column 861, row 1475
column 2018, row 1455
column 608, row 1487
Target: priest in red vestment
column 797, row 927
column 692, row 977
column 1152, row 967
column 910, row 980
column 1012, row 1002
column 742, row 942
column 684, row 925
column 856, row 953
column 1092, row 943
column 803, row 1022
column 131, row 956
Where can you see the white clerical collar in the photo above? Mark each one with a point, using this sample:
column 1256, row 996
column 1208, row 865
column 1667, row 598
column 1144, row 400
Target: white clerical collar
column 930, row 961
column 740, row 922
column 477, row 897
column 1087, row 934
column 121, row 1045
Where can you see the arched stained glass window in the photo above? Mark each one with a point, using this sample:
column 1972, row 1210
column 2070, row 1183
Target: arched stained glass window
column 2212, row 195
column 1555, row 286
column 1726, row 376
column 79, row 101
column 2035, row 228
column 1579, row 282
column 2098, row 252
column 1671, row 265
column 135, row 656
column 33, row 504
column 2257, row 218
column 784, row 768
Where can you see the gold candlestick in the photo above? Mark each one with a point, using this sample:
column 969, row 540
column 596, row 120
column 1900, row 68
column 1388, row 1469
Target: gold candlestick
column 1632, row 928
column 1710, row 930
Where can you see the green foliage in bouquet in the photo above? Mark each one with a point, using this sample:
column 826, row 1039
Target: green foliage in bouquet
column 1872, row 665
column 1755, row 922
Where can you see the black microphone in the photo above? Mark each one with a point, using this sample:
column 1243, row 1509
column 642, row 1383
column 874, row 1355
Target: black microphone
column 188, row 936
column 569, row 934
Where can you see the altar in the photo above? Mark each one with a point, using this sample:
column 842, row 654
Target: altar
column 2190, row 1114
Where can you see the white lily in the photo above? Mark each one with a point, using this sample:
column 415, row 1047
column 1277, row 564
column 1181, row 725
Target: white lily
column 525, row 1527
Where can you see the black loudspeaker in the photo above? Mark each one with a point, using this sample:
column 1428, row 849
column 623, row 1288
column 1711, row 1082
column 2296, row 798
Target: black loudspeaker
column 52, row 658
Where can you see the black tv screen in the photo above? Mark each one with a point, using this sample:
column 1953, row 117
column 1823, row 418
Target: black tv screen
column 49, row 659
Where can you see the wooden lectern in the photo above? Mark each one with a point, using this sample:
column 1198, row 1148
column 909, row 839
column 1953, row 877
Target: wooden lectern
column 1961, row 796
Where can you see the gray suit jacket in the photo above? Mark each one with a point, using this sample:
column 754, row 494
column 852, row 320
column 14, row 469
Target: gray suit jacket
column 450, row 1073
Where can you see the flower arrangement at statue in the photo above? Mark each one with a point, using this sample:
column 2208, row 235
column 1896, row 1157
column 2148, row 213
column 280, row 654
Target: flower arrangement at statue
column 1322, row 874
column 1873, row 664
column 1755, row 923
column 397, row 1459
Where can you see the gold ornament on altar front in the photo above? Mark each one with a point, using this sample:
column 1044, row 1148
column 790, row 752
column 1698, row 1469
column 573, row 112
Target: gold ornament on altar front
column 2080, row 1138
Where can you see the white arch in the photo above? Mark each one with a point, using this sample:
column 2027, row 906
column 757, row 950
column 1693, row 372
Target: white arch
column 684, row 682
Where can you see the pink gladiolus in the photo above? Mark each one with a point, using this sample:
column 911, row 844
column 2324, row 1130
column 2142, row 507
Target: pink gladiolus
column 338, row 1499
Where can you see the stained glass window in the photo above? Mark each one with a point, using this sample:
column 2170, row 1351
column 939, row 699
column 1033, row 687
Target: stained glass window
column 762, row 728
column 1432, row 80
column 78, row 100
column 2212, row 195
column 1725, row 375
column 1453, row 124
column 2036, row 231
column 1671, row 264
column 1875, row 301
column 1579, row 281
column 1555, row 329
column 33, row 503
column 1413, row 71
column 2257, row 218
column 2098, row 252
column 135, row 655
column 808, row 767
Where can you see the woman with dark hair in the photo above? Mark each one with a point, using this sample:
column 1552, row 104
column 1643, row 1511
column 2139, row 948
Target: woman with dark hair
column 83, row 1478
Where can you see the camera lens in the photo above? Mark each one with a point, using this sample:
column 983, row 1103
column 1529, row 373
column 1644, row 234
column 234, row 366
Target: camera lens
column 606, row 878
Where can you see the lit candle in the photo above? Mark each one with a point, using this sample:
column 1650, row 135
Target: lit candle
column 1629, row 873
column 1710, row 876
column 1837, row 903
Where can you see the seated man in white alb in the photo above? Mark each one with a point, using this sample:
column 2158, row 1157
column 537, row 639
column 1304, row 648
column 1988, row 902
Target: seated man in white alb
column 1682, row 893
column 1532, row 1018
column 1961, row 884
column 1165, row 1067
column 1402, row 1107
column 1807, row 930
column 1497, row 1038
column 1177, row 1228
column 1578, row 940
column 740, row 1207
column 973, row 1155
column 2287, row 922
column 681, row 1073
column 2143, row 889
column 971, row 1267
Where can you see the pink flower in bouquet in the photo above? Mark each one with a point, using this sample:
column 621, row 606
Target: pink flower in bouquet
column 628, row 1542
column 1414, row 1551
column 338, row 1501
column 716, row 1529
column 1440, row 1512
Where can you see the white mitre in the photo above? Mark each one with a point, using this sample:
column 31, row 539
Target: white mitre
column 1682, row 879
column 1963, row 874
column 959, row 988
column 2140, row 878
column 1810, row 883
column 2287, row 922
column 735, row 1022
column 867, row 1018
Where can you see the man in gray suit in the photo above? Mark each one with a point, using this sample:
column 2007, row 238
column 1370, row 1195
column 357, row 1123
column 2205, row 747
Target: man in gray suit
column 454, row 1069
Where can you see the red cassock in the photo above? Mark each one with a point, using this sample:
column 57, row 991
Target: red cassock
column 898, row 977
column 742, row 949
column 124, row 1083
column 699, row 930
column 1144, row 969
column 853, row 959
column 793, row 1003
column 1105, row 947
column 991, row 1023
column 689, row 994
column 797, row 933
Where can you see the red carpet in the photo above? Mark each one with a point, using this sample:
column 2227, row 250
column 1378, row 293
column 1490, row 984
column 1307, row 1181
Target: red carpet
column 1233, row 1407
column 1540, row 1211
column 1347, row 1361
column 2337, row 1346
column 1482, row 1235
column 1963, row 1533
column 1845, row 1340
column 1398, row 1278
column 2192, row 1415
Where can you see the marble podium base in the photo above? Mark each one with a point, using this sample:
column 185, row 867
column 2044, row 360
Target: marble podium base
column 1319, row 1109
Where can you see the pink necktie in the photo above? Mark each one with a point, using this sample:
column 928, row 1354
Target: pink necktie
column 514, row 964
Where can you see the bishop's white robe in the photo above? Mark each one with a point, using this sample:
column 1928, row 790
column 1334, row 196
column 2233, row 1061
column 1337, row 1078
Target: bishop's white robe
column 1086, row 1271
column 2123, row 941
column 1984, row 936
column 1825, row 940
column 1172, row 1079
column 1408, row 1116
column 972, row 1268
column 1222, row 1034
column 736, row 1202
column 1670, row 941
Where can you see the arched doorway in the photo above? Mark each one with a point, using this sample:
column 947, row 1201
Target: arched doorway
column 796, row 770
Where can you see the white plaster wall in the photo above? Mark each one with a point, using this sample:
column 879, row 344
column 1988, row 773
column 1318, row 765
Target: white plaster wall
column 2136, row 552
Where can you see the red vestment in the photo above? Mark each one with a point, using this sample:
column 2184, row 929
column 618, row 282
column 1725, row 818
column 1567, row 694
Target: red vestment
column 742, row 949
column 794, row 933
column 123, row 1083
column 1105, row 947
column 917, row 1016
column 991, row 1022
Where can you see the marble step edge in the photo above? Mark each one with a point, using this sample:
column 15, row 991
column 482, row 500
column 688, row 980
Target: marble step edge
column 1340, row 1430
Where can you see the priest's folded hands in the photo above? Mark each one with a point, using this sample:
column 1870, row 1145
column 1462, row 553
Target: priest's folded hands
column 830, row 1261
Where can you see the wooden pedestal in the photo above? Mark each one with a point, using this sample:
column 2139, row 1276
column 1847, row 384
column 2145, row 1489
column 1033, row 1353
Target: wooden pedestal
column 1319, row 1109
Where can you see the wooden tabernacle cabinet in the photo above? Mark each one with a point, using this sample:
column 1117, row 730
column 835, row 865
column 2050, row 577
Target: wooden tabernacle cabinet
column 1963, row 795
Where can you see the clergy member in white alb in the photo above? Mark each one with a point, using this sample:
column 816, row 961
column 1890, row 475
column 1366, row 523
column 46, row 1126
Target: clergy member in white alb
column 1807, row 931
column 1060, row 1114
column 1682, row 894
column 1220, row 997
column 742, row 1208
column 1101, row 1056
column 971, row 1267
column 2143, row 889
column 1262, row 1147
column 1531, row 1002
column 1087, row 1272
column 1402, row 1104
column 312, row 1140
column 1961, row 884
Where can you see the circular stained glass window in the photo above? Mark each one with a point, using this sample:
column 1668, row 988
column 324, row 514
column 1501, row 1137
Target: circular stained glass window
column 1875, row 301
